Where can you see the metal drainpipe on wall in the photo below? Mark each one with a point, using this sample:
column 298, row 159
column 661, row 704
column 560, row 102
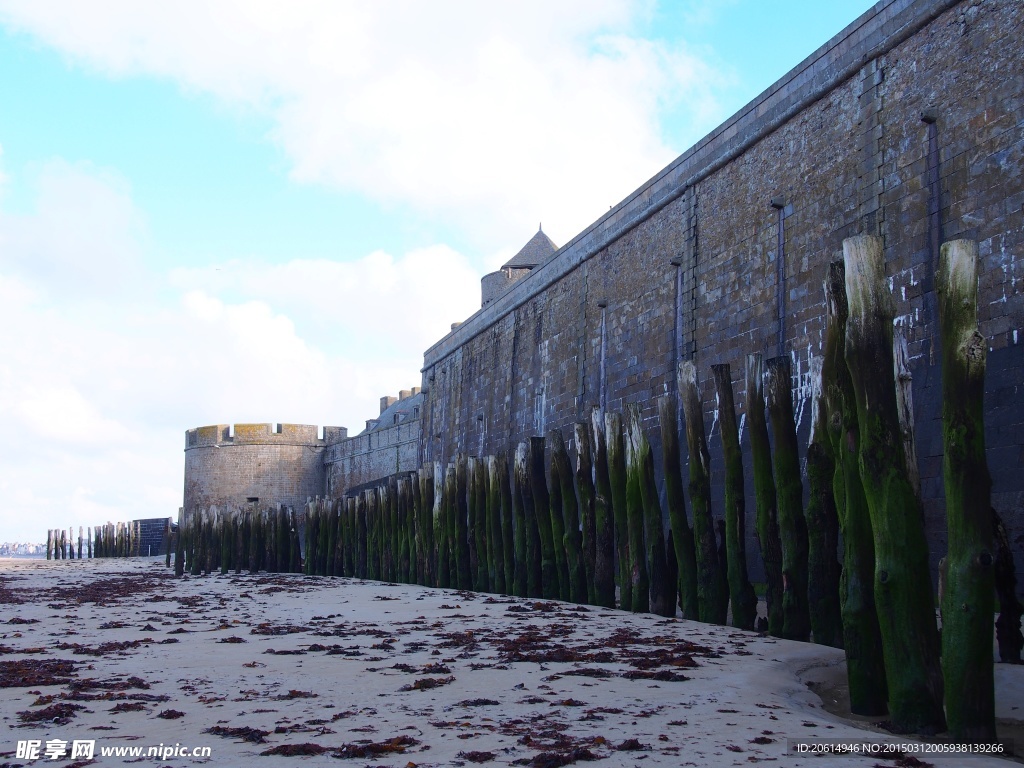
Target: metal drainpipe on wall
column 779, row 204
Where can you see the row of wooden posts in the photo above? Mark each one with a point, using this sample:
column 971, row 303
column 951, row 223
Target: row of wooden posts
column 252, row 539
column 547, row 525
column 109, row 540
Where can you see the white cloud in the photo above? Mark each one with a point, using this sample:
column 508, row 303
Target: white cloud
column 83, row 239
column 463, row 110
column 95, row 395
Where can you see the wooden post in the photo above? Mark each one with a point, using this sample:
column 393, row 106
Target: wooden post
column 406, row 554
column 361, row 556
column 372, row 528
column 508, row 534
column 331, row 538
column 425, row 532
column 49, row 544
column 712, row 586
column 681, row 534
column 741, row 592
column 765, row 505
column 449, row 575
column 549, row 573
column 463, row 568
column 386, row 538
column 310, row 539
column 293, row 538
column 604, row 523
column 442, row 496
column 617, row 481
column 284, row 540
column 477, row 523
column 646, row 532
column 583, row 471
column 572, row 541
column 558, row 528
column 496, row 536
column 903, row 588
column 226, row 542
column 967, row 607
column 862, row 640
column 789, row 489
column 528, row 546
column 417, row 538
column 179, row 545
column 823, row 569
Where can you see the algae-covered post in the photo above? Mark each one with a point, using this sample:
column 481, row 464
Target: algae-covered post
column 604, row 523
column 765, row 505
column 372, row 496
column 712, row 587
column 862, row 640
column 361, row 555
column 446, row 554
column 616, row 464
column 179, row 546
column 472, row 529
column 967, row 607
column 478, row 529
column 549, row 579
column 495, row 534
column 640, row 460
column 529, row 568
column 508, row 534
column 558, row 529
column 572, row 541
column 741, row 592
column 681, row 535
column 425, row 531
column 789, row 490
column 823, row 567
column 583, row 473
column 903, row 587
column 463, row 569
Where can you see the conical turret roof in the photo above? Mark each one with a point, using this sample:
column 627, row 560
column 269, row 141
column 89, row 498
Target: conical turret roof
column 536, row 251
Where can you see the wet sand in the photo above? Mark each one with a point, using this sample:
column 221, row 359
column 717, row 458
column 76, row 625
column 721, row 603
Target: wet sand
column 399, row 675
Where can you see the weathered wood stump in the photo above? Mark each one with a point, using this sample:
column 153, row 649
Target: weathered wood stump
column 765, row 504
column 617, row 481
column 741, row 592
column 823, row 568
column 572, row 540
column 680, row 533
column 789, row 490
column 712, row 587
column 604, row 519
column 903, row 589
column 583, row 472
column 862, row 639
column 967, row 607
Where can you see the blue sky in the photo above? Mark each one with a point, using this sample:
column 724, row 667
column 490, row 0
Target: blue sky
column 227, row 212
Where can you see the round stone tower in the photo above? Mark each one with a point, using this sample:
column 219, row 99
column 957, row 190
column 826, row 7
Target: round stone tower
column 266, row 464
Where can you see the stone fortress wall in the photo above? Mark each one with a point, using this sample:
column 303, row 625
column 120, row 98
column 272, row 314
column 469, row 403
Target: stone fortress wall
column 389, row 444
column 908, row 124
column 267, row 463
column 724, row 252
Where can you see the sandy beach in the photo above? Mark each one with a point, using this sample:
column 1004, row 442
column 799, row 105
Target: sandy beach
column 289, row 670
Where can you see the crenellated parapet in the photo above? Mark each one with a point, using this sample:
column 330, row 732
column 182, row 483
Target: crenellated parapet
column 270, row 463
column 221, row 435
